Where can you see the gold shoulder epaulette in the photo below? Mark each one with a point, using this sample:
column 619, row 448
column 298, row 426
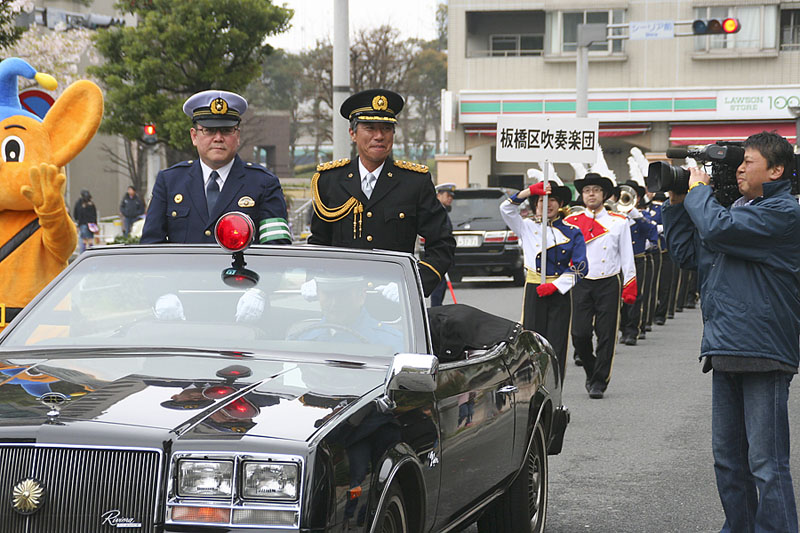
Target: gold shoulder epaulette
column 408, row 165
column 332, row 164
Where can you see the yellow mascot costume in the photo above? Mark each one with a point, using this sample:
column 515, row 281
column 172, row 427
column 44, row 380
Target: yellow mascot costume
column 37, row 235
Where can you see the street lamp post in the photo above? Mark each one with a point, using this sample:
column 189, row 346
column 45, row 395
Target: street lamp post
column 587, row 34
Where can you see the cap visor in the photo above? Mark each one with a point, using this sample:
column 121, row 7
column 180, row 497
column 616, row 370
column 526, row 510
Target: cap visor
column 217, row 122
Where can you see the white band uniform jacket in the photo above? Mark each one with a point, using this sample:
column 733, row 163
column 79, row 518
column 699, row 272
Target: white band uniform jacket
column 566, row 251
column 608, row 245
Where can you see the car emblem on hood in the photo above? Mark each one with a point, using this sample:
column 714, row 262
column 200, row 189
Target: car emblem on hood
column 27, row 496
column 54, row 401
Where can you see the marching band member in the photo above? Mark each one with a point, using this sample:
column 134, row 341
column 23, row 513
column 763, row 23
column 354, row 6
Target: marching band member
column 597, row 298
column 547, row 308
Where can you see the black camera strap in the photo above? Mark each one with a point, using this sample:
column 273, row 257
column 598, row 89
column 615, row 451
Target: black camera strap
column 17, row 240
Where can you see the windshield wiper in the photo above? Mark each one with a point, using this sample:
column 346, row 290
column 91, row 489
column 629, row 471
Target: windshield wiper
column 471, row 220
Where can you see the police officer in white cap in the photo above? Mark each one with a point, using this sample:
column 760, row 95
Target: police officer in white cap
column 188, row 198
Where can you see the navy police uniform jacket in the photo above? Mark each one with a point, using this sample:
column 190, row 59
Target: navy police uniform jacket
column 403, row 205
column 178, row 211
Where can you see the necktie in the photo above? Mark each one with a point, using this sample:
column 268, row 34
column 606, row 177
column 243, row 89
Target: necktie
column 212, row 191
column 368, row 184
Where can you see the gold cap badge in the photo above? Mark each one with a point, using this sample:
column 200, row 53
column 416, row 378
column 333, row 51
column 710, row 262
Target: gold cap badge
column 219, row 106
column 178, row 198
column 246, row 201
column 380, row 103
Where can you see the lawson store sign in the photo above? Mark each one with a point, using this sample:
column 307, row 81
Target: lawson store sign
column 483, row 107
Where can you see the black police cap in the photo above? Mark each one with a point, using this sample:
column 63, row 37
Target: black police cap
column 373, row 105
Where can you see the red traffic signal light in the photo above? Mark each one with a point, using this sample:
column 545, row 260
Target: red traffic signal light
column 150, row 136
column 715, row 27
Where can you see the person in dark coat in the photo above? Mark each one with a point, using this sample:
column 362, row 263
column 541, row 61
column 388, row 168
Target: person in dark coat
column 375, row 201
column 131, row 208
column 85, row 215
column 189, row 198
column 747, row 258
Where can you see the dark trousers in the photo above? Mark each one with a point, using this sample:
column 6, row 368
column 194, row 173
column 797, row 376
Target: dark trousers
column 687, row 290
column 596, row 307
column 631, row 317
column 674, row 289
column 551, row 317
column 437, row 296
column 664, row 284
column 652, row 297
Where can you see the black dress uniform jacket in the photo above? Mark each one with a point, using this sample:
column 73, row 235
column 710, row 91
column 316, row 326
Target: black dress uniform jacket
column 178, row 211
column 403, row 205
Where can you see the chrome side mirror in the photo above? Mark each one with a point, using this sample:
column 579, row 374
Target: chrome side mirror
column 412, row 372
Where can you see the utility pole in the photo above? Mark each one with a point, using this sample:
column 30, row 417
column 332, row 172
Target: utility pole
column 587, row 34
column 341, row 77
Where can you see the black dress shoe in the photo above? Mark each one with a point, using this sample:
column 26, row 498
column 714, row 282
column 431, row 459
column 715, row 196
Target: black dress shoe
column 642, row 336
column 659, row 321
column 671, row 315
column 630, row 341
column 588, row 386
column 648, row 327
column 578, row 361
column 596, row 393
column 690, row 305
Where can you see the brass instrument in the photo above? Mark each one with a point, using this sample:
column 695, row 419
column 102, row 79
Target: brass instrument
column 573, row 210
column 611, row 205
column 627, row 199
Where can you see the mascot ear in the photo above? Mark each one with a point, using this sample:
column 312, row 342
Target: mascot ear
column 73, row 120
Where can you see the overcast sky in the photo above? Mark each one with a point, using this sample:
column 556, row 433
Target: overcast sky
column 313, row 19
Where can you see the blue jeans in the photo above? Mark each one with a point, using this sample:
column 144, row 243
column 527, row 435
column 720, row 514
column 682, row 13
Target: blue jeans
column 750, row 439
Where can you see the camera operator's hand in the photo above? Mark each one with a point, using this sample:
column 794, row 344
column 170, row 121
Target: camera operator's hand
column 698, row 175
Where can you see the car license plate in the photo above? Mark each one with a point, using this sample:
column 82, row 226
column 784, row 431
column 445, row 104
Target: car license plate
column 468, row 241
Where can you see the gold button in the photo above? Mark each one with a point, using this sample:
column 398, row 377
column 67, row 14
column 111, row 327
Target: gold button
column 350, row 175
column 389, row 174
column 604, row 247
column 369, row 238
column 174, row 213
column 602, row 260
column 402, row 215
column 208, row 233
column 369, row 214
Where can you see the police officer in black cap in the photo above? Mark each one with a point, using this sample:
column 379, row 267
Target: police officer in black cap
column 188, row 198
column 375, row 201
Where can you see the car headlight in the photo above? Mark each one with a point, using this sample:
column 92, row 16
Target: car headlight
column 205, row 478
column 272, row 481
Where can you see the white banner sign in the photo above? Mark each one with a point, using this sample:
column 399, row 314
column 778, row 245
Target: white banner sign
column 653, row 29
column 537, row 139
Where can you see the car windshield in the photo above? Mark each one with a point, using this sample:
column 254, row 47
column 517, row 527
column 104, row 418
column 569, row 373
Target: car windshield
column 477, row 212
column 328, row 305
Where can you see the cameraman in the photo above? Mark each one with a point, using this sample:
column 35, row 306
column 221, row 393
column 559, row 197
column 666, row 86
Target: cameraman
column 748, row 262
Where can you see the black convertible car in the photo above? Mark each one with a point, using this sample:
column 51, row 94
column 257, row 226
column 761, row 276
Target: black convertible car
column 295, row 388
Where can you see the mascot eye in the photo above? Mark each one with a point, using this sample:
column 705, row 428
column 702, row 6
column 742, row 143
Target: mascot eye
column 13, row 149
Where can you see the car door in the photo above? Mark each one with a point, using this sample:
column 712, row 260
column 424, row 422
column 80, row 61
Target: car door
column 475, row 402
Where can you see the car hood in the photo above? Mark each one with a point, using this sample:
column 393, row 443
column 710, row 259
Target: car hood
column 189, row 395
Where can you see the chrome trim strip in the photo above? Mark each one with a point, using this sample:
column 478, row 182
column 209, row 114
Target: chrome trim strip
column 474, row 360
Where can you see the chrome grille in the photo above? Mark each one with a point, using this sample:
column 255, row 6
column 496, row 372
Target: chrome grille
column 82, row 484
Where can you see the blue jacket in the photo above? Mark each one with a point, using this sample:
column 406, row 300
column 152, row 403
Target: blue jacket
column 748, row 263
column 178, row 212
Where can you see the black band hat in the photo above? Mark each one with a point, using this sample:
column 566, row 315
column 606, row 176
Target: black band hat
column 593, row 178
column 373, row 105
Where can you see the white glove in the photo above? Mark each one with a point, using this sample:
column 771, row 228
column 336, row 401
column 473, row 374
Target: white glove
column 634, row 213
column 250, row 305
column 390, row 291
column 169, row 307
column 308, row 290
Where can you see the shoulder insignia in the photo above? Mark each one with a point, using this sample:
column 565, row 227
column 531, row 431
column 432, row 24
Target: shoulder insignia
column 183, row 164
column 333, row 164
column 408, row 165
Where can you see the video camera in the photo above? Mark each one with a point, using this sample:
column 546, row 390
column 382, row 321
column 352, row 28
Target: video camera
column 724, row 157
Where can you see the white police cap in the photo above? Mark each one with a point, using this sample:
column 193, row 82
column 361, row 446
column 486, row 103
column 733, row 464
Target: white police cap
column 215, row 109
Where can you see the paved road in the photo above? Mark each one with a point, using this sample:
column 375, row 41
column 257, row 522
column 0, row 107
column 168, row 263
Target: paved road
column 640, row 459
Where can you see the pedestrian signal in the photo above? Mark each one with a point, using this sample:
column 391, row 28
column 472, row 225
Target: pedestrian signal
column 715, row 26
column 150, row 136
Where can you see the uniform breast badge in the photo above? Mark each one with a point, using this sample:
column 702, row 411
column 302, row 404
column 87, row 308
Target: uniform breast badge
column 246, row 201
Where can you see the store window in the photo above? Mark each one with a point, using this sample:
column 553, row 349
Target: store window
column 564, row 30
column 758, row 28
column 790, row 29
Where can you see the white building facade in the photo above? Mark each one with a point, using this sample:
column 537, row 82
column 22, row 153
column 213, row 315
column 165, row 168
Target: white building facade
column 519, row 58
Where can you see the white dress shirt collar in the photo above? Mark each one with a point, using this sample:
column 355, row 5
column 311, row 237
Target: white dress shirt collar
column 362, row 170
column 223, row 173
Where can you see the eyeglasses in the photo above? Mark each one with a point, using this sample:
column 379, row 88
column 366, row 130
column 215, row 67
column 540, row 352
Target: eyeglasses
column 226, row 131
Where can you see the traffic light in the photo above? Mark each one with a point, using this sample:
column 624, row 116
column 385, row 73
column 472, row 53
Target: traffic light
column 150, row 136
column 715, row 26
